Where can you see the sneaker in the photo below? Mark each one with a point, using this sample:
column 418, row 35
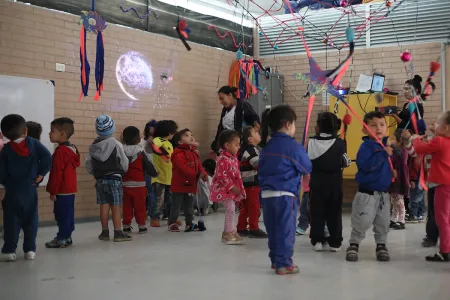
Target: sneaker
column 427, row 243
column 300, row 231
column 420, row 219
column 7, row 257
column 382, row 253
column 174, row 227
column 192, row 227
column 257, row 234
column 127, row 229
column 120, row 236
column 55, row 243
column 393, row 224
column 243, row 232
column 69, row 241
column 335, row 249
column 438, row 257
column 201, row 226
column 232, row 238
column 402, row 226
column 155, row 223
column 104, row 236
column 411, row 220
column 165, row 218
column 30, row 255
column 143, row 230
column 318, row 247
column 287, row 270
column 352, row 253
column 398, row 226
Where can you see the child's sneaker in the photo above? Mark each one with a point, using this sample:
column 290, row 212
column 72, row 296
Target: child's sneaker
column 427, row 243
column 231, row 238
column 257, row 234
column 300, row 231
column 438, row 257
column 30, row 255
column 174, row 227
column 127, row 228
column 352, row 253
column 201, row 226
column 69, row 241
column 420, row 219
column 318, row 247
column 155, row 223
column 192, row 227
column 382, row 253
column 287, row 270
column 411, row 220
column 55, row 243
column 143, row 230
column 120, row 236
column 243, row 232
column 335, row 249
column 7, row 257
column 104, row 236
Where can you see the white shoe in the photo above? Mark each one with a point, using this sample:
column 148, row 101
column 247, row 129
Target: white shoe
column 318, row 247
column 7, row 257
column 30, row 255
column 332, row 249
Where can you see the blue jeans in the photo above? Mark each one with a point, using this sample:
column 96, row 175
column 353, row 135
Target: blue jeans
column 64, row 210
column 417, row 205
column 163, row 201
column 303, row 219
column 150, row 193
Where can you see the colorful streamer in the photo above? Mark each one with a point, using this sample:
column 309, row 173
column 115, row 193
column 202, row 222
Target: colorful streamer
column 85, row 68
column 236, row 45
column 99, row 66
column 150, row 11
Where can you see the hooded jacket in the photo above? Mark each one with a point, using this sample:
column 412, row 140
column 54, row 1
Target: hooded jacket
column 186, row 169
column 106, row 157
column 63, row 175
column 328, row 157
column 374, row 172
column 139, row 164
column 21, row 163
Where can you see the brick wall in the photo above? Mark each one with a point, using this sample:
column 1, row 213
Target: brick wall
column 33, row 39
column 385, row 59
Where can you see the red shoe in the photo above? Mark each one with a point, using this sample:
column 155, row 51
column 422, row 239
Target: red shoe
column 155, row 223
column 174, row 227
column 287, row 270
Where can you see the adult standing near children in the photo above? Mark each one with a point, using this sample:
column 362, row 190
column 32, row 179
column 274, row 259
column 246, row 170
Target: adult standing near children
column 236, row 114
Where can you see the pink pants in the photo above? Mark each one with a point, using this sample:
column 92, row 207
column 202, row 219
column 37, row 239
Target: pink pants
column 442, row 213
column 398, row 208
column 230, row 210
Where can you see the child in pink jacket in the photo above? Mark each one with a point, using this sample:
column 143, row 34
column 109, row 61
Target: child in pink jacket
column 227, row 186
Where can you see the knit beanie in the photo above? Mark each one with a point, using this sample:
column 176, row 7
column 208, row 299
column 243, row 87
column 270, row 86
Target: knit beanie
column 104, row 125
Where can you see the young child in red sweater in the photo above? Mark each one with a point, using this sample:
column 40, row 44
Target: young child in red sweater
column 62, row 184
column 134, row 188
column 186, row 171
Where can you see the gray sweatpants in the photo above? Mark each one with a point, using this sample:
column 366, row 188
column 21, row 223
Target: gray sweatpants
column 182, row 201
column 367, row 210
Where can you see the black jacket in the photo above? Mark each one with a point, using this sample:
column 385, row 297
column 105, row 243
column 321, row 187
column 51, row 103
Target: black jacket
column 244, row 112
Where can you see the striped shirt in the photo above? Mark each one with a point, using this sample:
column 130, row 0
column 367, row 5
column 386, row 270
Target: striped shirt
column 249, row 166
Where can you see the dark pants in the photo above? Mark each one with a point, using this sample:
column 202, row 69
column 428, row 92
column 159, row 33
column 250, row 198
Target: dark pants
column 280, row 218
column 162, row 201
column 185, row 201
column 417, row 207
column 64, row 210
column 432, row 229
column 325, row 208
column 20, row 211
column 303, row 219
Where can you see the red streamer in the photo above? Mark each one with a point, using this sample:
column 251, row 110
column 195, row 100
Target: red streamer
column 236, row 45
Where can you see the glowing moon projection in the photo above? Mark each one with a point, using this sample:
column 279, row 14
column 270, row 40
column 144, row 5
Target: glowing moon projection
column 134, row 74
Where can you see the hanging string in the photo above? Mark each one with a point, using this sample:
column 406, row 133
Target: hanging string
column 93, row 5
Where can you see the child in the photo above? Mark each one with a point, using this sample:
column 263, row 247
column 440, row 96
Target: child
column 146, row 143
column 34, row 130
column 134, row 190
column 107, row 162
column 282, row 163
column 439, row 174
column 23, row 162
column 186, row 170
column 203, row 191
column 417, row 207
column 164, row 132
column 371, row 204
column 303, row 219
column 250, row 208
column 227, row 186
column 400, row 187
column 328, row 157
column 62, row 184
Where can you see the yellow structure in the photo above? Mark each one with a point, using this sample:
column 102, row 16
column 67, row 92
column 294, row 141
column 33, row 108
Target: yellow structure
column 361, row 103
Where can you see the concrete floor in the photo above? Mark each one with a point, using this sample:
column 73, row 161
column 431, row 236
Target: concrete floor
column 165, row 265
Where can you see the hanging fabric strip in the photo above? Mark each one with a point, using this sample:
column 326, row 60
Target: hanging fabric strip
column 99, row 65
column 312, row 98
column 85, row 68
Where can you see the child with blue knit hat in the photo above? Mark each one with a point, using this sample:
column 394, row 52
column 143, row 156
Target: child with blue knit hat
column 107, row 162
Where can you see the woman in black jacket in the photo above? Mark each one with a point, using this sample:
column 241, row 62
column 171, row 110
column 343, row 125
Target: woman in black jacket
column 236, row 113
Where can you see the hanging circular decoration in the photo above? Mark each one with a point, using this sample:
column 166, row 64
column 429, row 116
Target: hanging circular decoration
column 92, row 21
column 405, row 56
column 239, row 55
column 275, row 47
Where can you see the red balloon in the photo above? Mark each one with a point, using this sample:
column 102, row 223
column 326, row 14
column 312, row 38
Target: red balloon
column 405, row 56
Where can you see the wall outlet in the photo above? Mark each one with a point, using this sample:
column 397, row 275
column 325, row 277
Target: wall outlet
column 60, row 67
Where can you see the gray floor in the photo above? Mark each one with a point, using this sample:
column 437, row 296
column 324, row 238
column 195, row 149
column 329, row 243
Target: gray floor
column 164, row 265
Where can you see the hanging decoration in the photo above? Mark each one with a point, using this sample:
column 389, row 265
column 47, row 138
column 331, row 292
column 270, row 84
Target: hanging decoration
column 429, row 85
column 236, row 45
column 149, row 12
column 183, row 32
column 91, row 21
column 405, row 56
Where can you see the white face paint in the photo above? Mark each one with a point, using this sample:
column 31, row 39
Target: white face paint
column 409, row 91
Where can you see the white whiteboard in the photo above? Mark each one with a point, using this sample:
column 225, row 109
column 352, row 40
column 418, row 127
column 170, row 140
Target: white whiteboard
column 33, row 99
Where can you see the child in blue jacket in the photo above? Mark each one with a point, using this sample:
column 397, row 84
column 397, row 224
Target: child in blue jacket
column 282, row 163
column 24, row 162
column 371, row 204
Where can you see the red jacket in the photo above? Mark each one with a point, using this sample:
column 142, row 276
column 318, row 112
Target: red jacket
column 63, row 175
column 186, row 169
column 139, row 165
column 440, row 160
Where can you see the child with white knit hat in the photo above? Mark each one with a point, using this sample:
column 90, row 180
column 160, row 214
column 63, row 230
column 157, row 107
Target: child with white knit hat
column 107, row 162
